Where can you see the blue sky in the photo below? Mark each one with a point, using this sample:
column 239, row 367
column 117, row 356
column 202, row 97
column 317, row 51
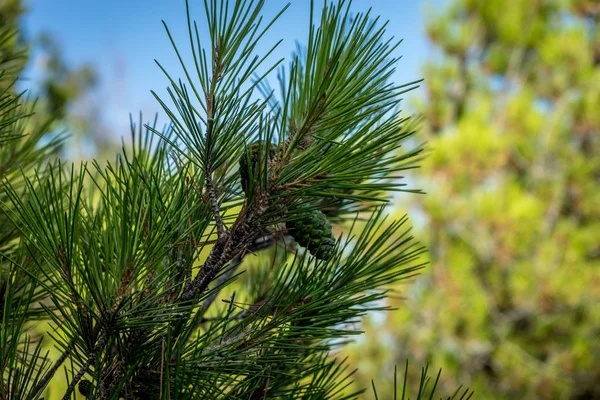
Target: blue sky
column 121, row 38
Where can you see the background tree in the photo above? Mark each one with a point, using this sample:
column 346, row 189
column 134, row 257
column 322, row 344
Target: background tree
column 61, row 90
column 510, row 306
column 12, row 47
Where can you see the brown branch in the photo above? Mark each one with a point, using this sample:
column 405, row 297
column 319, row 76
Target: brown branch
column 238, row 238
column 226, row 247
column 237, row 260
column 217, row 74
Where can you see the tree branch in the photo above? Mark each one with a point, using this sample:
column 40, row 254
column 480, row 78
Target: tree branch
column 44, row 381
column 210, row 189
column 224, row 250
column 237, row 260
column 91, row 358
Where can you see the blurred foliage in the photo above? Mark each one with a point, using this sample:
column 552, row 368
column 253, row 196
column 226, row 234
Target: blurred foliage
column 63, row 93
column 25, row 143
column 32, row 134
column 13, row 52
column 509, row 306
column 32, row 130
column 68, row 94
column 62, row 83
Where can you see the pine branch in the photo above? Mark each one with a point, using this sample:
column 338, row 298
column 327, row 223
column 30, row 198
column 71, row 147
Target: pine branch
column 52, row 371
column 210, row 188
column 231, row 269
column 235, row 241
column 210, row 99
column 119, row 263
column 83, row 370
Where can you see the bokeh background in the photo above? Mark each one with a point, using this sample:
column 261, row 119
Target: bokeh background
column 509, row 305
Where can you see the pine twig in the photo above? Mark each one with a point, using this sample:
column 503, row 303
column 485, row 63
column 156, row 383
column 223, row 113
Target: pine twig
column 50, row 373
column 236, row 240
column 217, row 73
column 92, row 357
column 237, row 260
column 210, row 189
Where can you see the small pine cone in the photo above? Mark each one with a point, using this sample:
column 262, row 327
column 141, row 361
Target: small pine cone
column 251, row 154
column 85, row 388
column 311, row 230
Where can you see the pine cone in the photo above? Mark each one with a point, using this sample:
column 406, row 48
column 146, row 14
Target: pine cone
column 85, row 388
column 252, row 154
column 311, row 230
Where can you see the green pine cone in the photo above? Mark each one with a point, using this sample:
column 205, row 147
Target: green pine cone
column 251, row 154
column 311, row 230
column 85, row 388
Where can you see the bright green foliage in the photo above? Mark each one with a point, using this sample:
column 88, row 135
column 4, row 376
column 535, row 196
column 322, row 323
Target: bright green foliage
column 21, row 146
column 28, row 142
column 22, row 150
column 13, row 52
column 510, row 305
column 310, row 229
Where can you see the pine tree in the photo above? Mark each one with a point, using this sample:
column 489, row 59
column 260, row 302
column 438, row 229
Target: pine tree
column 21, row 132
column 25, row 146
column 510, row 307
column 170, row 273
